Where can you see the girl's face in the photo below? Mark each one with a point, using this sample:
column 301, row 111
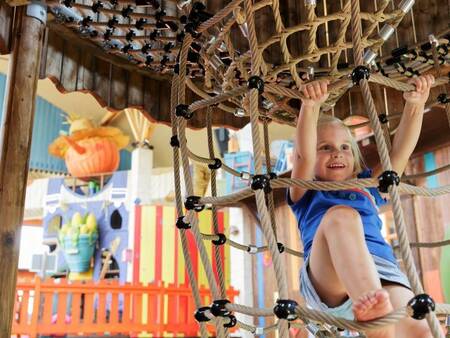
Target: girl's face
column 334, row 160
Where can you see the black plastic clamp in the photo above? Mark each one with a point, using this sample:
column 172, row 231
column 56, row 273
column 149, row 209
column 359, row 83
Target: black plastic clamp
column 112, row 22
column 148, row 60
column 68, row 3
column 443, row 98
column 146, row 48
column 285, row 309
column 232, row 322
column 193, row 203
column 140, row 23
column 359, row 73
column 174, row 141
column 383, row 118
column 218, row 308
column 420, row 305
column 181, row 224
column 255, row 82
column 280, row 247
column 261, row 182
column 273, row 176
column 126, row 11
column 216, row 165
column 130, row 35
column 182, row 110
column 200, row 314
column 97, row 6
column 86, row 21
column 221, row 240
column 386, row 179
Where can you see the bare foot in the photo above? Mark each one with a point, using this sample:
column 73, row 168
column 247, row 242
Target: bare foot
column 373, row 305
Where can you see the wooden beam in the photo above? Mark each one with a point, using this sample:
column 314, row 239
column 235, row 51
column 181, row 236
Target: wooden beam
column 15, row 145
column 14, row 3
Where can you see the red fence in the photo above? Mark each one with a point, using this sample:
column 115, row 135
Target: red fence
column 45, row 307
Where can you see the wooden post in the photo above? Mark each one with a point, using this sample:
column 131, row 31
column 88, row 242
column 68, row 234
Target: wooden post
column 15, row 144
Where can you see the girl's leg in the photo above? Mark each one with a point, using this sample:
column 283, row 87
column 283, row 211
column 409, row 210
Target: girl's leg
column 341, row 266
column 407, row 328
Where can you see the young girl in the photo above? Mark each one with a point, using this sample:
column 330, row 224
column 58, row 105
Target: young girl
column 350, row 271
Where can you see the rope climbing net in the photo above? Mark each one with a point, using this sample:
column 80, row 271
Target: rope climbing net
column 238, row 84
column 260, row 77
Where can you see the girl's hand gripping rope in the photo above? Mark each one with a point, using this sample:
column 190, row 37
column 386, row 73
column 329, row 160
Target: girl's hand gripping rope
column 315, row 93
column 419, row 96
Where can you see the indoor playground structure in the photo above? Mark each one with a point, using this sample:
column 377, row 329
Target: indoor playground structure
column 192, row 64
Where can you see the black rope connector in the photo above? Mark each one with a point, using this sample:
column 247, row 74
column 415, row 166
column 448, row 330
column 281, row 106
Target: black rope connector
column 130, row 35
column 280, row 247
column 359, row 73
column 387, row 179
column 140, row 23
column 399, row 51
column 261, row 182
column 218, row 308
column 97, row 6
column 86, row 21
column 232, row 322
column 174, row 141
column 200, row 314
column 383, row 118
column 273, row 176
column 112, row 22
column 146, row 48
column 285, row 309
column 443, row 98
column 255, row 82
column 419, row 306
column 216, row 165
column 127, row 48
column 148, row 60
column 182, row 110
column 126, row 11
column 181, row 224
column 67, row 3
column 221, row 240
column 193, row 203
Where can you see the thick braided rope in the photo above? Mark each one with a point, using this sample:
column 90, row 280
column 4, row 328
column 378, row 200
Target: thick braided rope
column 270, row 202
column 427, row 173
column 218, row 257
column 402, row 86
column 324, row 186
column 384, row 156
column 341, row 36
column 193, row 220
column 179, row 206
column 219, row 16
column 280, row 273
column 217, row 99
column 204, row 95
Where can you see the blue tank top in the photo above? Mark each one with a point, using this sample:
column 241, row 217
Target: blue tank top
column 310, row 209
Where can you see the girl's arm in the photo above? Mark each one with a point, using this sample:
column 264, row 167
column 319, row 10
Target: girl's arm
column 408, row 131
column 306, row 135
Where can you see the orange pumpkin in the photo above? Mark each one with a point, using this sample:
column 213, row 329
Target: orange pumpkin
column 92, row 156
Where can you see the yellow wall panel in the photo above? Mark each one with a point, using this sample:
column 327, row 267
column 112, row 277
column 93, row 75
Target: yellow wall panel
column 148, row 238
column 205, row 222
column 168, row 244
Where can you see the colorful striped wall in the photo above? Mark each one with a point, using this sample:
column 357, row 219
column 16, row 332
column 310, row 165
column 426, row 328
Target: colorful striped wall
column 158, row 255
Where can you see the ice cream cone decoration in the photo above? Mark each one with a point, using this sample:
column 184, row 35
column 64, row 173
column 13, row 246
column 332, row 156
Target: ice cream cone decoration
column 89, row 150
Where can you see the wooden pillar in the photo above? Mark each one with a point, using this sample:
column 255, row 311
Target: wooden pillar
column 15, row 144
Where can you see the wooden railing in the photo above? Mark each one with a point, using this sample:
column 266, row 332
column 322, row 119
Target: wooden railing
column 45, row 307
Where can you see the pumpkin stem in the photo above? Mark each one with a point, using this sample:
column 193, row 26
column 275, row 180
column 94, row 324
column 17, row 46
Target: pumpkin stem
column 79, row 149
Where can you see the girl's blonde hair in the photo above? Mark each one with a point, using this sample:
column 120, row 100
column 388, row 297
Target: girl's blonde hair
column 328, row 119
